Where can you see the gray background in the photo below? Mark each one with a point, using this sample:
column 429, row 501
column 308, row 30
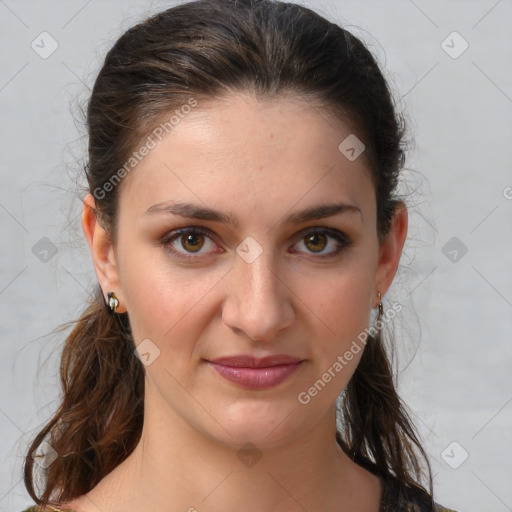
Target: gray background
column 454, row 340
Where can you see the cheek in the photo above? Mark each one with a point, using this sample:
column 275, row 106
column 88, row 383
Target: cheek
column 344, row 310
column 338, row 347
column 166, row 303
column 150, row 292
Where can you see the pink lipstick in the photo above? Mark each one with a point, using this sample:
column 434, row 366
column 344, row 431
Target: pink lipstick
column 256, row 373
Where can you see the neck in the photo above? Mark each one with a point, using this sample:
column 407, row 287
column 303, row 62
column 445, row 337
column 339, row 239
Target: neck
column 175, row 467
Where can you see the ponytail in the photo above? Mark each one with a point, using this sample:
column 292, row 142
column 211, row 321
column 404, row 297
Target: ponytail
column 377, row 430
column 99, row 421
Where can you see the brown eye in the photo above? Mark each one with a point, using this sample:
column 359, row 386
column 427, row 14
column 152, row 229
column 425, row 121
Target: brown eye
column 192, row 242
column 316, row 242
column 324, row 243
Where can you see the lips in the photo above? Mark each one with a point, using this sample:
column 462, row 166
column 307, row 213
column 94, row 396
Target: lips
column 256, row 373
column 256, row 362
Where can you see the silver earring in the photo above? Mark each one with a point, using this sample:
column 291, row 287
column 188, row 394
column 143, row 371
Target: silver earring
column 381, row 307
column 113, row 302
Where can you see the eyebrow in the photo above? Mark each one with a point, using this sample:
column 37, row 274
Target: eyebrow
column 193, row 211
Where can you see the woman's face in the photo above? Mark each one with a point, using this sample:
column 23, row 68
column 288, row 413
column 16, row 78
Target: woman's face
column 271, row 281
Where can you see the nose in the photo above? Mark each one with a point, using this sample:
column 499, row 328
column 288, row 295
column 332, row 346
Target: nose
column 259, row 301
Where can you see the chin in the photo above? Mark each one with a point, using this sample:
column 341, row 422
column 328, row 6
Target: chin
column 262, row 424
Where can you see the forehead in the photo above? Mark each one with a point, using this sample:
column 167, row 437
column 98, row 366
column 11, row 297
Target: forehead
column 241, row 151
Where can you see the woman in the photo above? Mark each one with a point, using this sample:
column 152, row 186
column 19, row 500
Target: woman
column 243, row 224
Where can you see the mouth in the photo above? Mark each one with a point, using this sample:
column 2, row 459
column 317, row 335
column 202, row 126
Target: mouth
column 256, row 373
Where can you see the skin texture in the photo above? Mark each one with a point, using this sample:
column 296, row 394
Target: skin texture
column 260, row 161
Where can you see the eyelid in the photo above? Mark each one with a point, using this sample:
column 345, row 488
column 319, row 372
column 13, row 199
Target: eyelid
column 176, row 233
column 342, row 239
column 335, row 233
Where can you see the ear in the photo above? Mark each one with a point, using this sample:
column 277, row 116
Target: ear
column 391, row 249
column 102, row 252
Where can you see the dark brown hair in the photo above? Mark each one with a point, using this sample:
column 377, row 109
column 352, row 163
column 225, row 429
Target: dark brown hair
column 201, row 50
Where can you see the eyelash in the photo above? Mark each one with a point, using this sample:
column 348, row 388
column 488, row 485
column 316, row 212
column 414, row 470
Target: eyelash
column 343, row 240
